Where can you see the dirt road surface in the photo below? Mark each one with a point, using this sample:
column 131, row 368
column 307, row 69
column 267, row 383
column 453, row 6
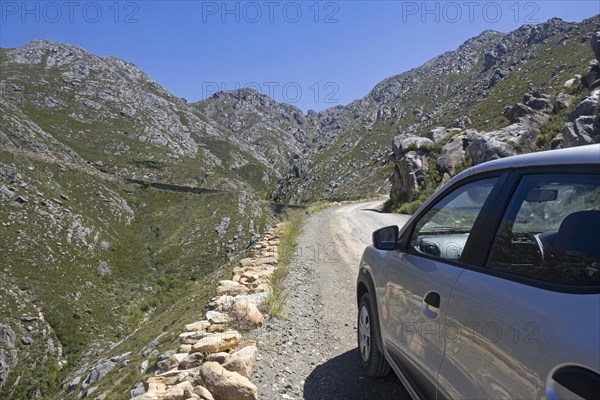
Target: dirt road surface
column 310, row 351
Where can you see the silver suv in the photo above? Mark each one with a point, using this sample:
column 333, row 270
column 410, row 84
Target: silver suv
column 492, row 289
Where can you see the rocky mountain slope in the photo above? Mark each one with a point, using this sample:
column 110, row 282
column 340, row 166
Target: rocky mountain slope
column 122, row 205
column 466, row 88
column 117, row 198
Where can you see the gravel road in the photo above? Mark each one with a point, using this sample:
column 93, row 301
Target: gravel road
column 310, row 351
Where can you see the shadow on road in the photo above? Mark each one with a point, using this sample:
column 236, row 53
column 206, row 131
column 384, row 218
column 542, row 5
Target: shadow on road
column 374, row 210
column 342, row 378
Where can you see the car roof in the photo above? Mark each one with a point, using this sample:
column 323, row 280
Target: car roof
column 589, row 154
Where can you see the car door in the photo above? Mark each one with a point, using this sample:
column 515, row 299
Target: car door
column 419, row 281
column 527, row 324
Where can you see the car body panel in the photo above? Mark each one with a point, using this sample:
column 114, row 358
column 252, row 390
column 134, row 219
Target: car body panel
column 505, row 338
column 412, row 330
column 499, row 335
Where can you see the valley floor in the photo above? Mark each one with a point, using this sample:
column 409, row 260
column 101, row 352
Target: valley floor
column 310, row 351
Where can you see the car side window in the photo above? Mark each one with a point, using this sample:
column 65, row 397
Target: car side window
column 443, row 231
column 551, row 230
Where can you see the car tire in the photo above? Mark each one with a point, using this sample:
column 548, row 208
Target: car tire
column 373, row 361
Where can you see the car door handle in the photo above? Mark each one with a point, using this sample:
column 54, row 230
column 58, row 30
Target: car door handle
column 431, row 304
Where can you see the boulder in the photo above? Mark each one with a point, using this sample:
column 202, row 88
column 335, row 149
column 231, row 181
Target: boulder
column 230, row 288
column 585, row 126
column 515, row 113
column 143, row 367
column 266, row 260
column 538, row 101
column 586, row 107
column 221, row 357
column 191, row 337
column 7, row 336
column 563, row 101
column 437, row 134
column 218, row 302
column 138, row 390
column 248, row 262
column 178, row 392
column 591, row 75
column 155, row 387
column 18, row 202
column 461, row 123
column 570, row 82
column 166, row 355
column 584, row 130
column 570, row 136
column 217, row 342
column 98, row 372
column 409, row 173
column 198, row 326
column 408, row 142
column 513, row 139
column 595, row 41
column 6, row 192
column 184, row 348
column 485, row 149
column 171, row 362
column 246, row 314
column 203, row 393
column 192, row 361
column 218, row 328
column 225, row 384
column 453, row 152
column 242, row 361
column 258, row 299
column 216, row 317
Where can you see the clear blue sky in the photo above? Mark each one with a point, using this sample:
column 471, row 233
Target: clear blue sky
column 311, row 54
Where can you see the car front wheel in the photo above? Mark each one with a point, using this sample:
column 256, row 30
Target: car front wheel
column 373, row 361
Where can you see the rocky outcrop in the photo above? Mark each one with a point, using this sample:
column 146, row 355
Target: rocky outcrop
column 514, row 139
column 459, row 89
column 410, row 154
column 582, row 127
column 596, row 45
column 453, row 153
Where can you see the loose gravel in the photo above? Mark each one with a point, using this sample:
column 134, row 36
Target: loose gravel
column 310, row 350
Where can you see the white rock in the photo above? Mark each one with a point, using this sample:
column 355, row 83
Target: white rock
column 178, row 391
column 246, row 313
column 216, row 342
column 242, row 361
column 226, row 384
column 216, row 317
column 203, row 393
column 197, row 326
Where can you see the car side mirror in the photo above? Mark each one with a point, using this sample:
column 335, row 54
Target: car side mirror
column 386, row 238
